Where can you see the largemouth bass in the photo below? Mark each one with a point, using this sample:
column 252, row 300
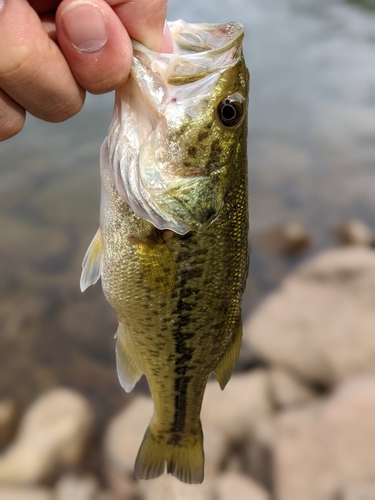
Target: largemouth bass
column 172, row 249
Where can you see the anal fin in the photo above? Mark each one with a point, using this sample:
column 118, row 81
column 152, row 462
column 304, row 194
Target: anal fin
column 91, row 265
column 224, row 369
column 127, row 369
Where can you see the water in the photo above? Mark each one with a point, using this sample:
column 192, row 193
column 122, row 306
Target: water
column 311, row 159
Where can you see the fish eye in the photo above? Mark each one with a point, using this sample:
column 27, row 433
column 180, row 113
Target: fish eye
column 231, row 110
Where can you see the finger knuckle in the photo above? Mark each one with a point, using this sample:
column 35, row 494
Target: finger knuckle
column 11, row 123
column 61, row 111
column 19, row 61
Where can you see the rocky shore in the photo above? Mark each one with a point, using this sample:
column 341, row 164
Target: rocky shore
column 296, row 421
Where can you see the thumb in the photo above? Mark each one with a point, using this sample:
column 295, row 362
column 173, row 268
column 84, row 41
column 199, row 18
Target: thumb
column 95, row 44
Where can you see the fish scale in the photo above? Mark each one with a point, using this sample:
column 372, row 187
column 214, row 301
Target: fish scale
column 173, row 260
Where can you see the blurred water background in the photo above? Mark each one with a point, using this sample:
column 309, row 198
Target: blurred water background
column 311, row 160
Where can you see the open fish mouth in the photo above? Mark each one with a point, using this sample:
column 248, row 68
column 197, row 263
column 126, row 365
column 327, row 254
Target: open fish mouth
column 198, row 50
column 170, row 100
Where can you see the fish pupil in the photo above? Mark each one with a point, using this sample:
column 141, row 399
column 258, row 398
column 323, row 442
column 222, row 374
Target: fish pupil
column 230, row 111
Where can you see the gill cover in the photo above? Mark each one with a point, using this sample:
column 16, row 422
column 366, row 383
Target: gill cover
column 165, row 148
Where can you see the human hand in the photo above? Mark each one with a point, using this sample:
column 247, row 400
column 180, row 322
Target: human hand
column 52, row 51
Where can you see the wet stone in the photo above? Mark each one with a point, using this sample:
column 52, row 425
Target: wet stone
column 287, row 239
column 25, row 494
column 71, row 487
column 354, row 232
column 8, row 420
column 167, row 487
column 53, row 432
column 232, row 485
column 321, row 447
column 319, row 324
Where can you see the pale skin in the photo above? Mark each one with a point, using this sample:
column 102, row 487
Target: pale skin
column 52, row 52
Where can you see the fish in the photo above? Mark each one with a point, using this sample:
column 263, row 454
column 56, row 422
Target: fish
column 172, row 246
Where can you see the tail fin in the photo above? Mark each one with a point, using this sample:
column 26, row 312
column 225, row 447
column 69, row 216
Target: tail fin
column 184, row 456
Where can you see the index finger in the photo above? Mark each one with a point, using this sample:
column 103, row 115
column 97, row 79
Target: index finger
column 144, row 20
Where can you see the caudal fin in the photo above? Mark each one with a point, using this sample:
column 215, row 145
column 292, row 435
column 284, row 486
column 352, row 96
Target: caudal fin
column 184, row 457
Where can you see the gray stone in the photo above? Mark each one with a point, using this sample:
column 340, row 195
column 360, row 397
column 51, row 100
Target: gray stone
column 70, row 487
column 354, row 232
column 320, row 322
column 288, row 390
column 245, row 400
column 325, row 445
column 8, row 420
column 230, row 421
column 122, row 440
column 125, row 432
column 167, row 487
column 257, row 459
column 361, row 491
column 53, row 432
column 25, row 494
column 231, row 486
column 109, row 495
column 288, row 238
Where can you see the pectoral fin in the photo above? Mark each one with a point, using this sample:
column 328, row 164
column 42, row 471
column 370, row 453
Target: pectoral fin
column 224, row 369
column 91, row 265
column 127, row 369
column 156, row 261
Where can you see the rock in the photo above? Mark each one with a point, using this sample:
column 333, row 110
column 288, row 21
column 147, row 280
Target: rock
column 323, row 446
column 8, row 420
column 122, row 440
column 289, row 239
column 108, row 495
column 354, row 232
column 287, row 390
column 123, row 485
column 167, row 487
column 230, row 419
column 245, row 400
column 257, row 459
column 82, row 488
column 361, row 491
column 25, row 494
column 232, row 485
column 53, row 432
column 320, row 323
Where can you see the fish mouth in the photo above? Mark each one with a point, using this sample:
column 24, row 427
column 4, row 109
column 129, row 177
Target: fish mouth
column 188, row 39
column 211, row 38
column 198, row 50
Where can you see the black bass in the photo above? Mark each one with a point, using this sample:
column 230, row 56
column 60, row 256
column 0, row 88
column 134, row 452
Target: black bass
column 172, row 248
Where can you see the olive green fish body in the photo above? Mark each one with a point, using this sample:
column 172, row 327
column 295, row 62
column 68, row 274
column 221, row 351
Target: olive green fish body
column 175, row 271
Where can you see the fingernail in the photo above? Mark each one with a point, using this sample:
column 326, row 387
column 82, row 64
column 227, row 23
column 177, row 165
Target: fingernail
column 2, row 2
column 84, row 24
column 167, row 42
